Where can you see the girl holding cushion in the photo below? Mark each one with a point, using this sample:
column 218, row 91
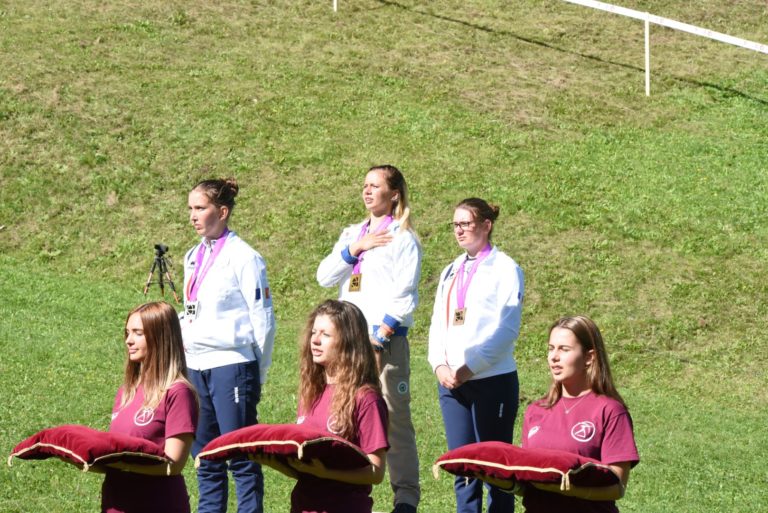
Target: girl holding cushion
column 582, row 413
column 155, row 402
column 338, row 393
column 377, row 264
column 475, row 322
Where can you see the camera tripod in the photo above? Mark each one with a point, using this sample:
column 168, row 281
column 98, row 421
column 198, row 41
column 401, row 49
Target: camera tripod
column 161, row 265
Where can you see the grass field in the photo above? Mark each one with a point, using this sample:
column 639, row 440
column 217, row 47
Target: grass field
column 648, row 214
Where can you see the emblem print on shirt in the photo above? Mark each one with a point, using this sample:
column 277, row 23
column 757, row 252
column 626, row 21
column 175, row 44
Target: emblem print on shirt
column 332, row 425
column 533, row 431
column 583, row 431
column 402, row 388
column 300, row 420
column 144, row 416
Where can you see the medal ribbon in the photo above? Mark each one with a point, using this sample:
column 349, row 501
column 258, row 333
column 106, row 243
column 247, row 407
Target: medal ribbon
column 199, row 274
column 448, row 307
column 363, row 230
column 461, row 290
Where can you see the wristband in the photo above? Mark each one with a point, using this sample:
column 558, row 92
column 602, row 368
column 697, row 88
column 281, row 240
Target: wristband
column 380, row 338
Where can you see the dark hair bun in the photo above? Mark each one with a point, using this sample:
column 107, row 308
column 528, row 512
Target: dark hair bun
column 230, row 185
column 480, row 209
column 220, row 191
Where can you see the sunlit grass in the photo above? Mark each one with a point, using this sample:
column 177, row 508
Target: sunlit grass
column 645, row 213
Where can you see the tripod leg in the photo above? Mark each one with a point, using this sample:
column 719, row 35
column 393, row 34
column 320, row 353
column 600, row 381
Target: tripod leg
column 149, row 278
column 160, row 276
column 167, row 273
column 173, row 288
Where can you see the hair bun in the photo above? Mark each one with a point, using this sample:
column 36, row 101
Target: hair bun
column 231, row 184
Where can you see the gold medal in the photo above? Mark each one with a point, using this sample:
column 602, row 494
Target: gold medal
column 354, row 282
column 458, row 316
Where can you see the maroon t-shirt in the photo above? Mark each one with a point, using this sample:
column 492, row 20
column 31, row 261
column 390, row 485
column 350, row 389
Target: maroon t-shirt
column 593, row 425
column 314, row 495
column 127, row 492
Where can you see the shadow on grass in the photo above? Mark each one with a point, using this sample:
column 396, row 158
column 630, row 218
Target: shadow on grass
column 699, row 83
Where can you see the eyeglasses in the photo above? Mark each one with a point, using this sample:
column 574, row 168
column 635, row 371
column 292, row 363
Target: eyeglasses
column 464, row 225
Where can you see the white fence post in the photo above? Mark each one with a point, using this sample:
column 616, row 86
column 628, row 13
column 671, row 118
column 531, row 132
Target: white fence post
column 666, row 22
column 647, row 57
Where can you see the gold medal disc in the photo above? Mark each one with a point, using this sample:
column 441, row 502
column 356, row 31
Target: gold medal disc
column 354, row 282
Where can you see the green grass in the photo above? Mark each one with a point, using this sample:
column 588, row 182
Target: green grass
column 647, row 214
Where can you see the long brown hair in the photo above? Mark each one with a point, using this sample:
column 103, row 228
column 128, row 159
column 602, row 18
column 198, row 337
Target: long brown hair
column 396, row 182
column 353, row 367
column 164, row 364
column 599, row 372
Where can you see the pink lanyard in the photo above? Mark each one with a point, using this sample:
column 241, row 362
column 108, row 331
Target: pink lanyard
column 382, row 226
column 199, row 274
column 461, row 289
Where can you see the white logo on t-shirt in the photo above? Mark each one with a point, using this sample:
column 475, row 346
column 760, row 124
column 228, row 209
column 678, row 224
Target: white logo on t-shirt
column 332, row 425
column 144, row 416
column 300, row 420
column 533, row 431
column 583, row 431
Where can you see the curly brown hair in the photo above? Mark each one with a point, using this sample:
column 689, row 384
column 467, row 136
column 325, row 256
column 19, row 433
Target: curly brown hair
column 353, row 369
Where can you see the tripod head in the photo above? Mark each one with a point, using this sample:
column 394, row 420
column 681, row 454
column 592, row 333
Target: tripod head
column 160, row 250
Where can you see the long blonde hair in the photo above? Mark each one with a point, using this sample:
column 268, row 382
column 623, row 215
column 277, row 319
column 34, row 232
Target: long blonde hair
column 164, row 363
column 396, row 182
column 353, row 367
column 599, row 372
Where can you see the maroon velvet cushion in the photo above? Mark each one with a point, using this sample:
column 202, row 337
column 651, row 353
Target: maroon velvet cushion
column 506, row 461
column 292, row 440
column 85, row 446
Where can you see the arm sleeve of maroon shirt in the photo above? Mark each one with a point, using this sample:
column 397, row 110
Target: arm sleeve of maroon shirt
column 524, row 436
column 181, row 411
column 372, row 420
column 118, row 398
column 618, row 439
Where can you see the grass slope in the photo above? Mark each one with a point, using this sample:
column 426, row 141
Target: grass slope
column 646, row 213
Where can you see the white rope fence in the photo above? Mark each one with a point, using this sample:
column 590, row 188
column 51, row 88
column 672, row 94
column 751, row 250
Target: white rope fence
column 648, row 18
column 666, row 22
